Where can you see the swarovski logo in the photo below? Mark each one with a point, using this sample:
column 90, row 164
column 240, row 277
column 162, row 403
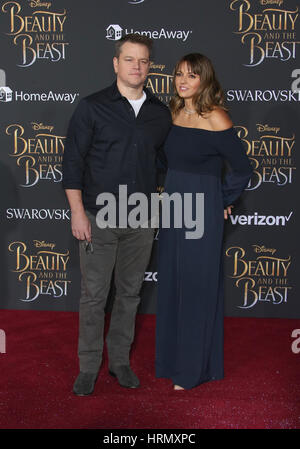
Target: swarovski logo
column 263, row 95
column 38, row 214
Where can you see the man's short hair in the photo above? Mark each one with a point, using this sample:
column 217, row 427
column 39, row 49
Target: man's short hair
column 134, row 38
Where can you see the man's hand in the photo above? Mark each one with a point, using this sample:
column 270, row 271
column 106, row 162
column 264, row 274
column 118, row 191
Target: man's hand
column 81, row 226
column 227, row 212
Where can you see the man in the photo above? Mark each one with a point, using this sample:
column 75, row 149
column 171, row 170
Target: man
column 114, row 138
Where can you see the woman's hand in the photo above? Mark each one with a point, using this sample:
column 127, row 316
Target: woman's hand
column 227, row 212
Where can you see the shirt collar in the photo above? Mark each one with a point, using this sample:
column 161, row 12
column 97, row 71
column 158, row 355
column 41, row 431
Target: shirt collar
column 116, row 95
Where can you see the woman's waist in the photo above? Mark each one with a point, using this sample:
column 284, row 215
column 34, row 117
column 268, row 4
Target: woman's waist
column 210, row 171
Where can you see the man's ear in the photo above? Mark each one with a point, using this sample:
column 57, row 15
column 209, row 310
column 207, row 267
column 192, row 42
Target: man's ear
column 115, row 64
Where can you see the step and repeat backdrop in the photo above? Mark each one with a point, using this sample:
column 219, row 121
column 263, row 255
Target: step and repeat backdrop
column 53, row 53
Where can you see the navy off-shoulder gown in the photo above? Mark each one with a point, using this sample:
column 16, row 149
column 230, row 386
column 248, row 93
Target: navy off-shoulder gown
column 189, row 331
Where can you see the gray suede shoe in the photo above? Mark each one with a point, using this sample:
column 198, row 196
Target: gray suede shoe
column 125, row 376
column 84, row 384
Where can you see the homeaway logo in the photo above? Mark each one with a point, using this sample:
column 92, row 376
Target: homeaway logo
column 6, row 94
column 5, row 91
column 260, row 220
column 114, row 32
column 60, row 97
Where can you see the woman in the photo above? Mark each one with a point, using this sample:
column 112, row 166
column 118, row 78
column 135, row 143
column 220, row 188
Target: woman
column 189, row 340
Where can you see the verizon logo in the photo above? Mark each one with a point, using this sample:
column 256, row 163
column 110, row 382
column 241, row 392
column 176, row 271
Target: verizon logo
column 260, row 220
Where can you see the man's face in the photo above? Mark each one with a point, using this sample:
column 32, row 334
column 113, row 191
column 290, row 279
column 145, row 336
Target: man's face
column 132, row 66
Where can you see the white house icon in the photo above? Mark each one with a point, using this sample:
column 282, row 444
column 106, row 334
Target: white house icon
column 114, row 32
column 5, row 94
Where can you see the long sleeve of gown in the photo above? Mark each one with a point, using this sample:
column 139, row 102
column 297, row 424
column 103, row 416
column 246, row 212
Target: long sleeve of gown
column 237, row 178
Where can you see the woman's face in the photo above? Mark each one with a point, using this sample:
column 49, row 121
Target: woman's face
column 187, row 83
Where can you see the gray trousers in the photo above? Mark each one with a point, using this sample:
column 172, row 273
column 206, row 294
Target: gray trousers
column 128, row 252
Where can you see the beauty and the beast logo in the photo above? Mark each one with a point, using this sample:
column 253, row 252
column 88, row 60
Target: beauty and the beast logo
column 160, row 83
column 272, row 155
column 39, row 156
column 262, row 277
column 39, row 35
column 41, row 269
column 268, row 33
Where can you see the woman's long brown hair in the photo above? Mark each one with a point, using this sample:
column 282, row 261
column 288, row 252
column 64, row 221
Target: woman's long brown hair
column 210, row 93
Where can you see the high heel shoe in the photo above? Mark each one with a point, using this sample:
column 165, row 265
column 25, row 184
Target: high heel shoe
column 178, row 388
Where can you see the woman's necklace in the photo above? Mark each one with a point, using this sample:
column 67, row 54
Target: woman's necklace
column 189, row 111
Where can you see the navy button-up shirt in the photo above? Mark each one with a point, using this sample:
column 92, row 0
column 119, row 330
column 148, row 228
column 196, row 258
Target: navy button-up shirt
column 107, row 145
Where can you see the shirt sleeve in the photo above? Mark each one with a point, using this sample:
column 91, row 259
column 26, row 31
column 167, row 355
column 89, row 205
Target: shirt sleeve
column 161, row 166
column 78, row 141
column 161, row 158
column 237, row 178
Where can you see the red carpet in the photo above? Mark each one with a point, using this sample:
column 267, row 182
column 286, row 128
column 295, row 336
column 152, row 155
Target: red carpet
column 261, row 389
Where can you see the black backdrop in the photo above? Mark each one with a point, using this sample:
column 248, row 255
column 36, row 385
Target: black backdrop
column 55, row 52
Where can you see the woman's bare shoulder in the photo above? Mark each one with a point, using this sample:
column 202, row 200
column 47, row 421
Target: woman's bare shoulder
column 219, row 120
